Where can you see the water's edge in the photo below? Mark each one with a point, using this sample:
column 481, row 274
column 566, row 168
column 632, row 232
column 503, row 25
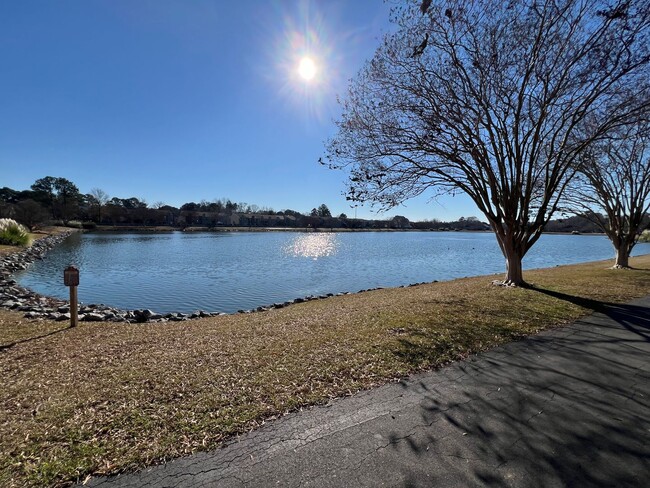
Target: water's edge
column 41, row 305
column 37, row 306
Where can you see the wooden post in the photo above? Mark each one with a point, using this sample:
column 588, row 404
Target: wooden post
column 71, row 279
column 73, row 306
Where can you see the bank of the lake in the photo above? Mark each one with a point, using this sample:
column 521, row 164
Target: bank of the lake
column 164, row 228
column 149, row 229
column 102, row 398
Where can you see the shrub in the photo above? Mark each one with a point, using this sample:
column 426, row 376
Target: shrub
column 89, row 225
column 13, row 234
column 645, row 236
column 75, row 224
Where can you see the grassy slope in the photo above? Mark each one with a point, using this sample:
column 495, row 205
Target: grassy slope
column 4, row 249
column 107, row 397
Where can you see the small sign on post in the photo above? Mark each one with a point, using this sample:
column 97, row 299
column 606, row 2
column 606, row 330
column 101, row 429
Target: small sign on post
column 71, row 280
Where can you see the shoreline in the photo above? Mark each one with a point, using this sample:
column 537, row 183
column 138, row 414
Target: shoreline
column 146, row 229
column 42, row 307
column 155, row 229
column 35, row 306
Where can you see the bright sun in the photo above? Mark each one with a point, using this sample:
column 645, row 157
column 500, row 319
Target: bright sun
column 307, row 68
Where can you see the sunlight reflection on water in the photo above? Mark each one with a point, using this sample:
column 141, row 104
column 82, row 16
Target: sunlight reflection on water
column 313, row 246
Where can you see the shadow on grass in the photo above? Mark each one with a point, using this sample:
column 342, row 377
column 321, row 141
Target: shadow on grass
column 594, row 305
column 4, row 347
column 422, row 346
column 633, row 317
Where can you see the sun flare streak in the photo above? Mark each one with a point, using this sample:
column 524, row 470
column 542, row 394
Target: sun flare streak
column 306, row 64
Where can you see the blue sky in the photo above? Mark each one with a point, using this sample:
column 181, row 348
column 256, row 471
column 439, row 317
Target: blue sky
column 179, row 101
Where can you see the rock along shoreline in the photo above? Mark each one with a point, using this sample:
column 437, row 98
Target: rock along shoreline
column 36, row 306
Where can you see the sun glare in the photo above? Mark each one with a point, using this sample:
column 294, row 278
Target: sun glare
column 307, row 68
column 307, row 62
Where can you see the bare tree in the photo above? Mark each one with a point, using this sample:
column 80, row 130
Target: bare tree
column 100, row 198
column 612, row 188
column 489, row 98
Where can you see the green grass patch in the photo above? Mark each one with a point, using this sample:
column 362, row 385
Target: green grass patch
column 104, row 398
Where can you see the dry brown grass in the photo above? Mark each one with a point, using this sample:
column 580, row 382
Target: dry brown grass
column 4, row 249
column 102, row 398
column 46, row 231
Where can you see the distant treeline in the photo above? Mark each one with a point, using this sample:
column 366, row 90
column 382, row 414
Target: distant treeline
column 54, row 200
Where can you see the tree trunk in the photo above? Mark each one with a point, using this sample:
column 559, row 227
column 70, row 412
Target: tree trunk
column 622, row 256
column 514, row 273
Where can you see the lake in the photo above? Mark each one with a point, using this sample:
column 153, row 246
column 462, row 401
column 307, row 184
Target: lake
column 229, row 271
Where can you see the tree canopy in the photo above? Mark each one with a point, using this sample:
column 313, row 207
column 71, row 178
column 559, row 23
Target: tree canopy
column 324, row 211
column 59, row 194
column 612, row 187
column 493, row 99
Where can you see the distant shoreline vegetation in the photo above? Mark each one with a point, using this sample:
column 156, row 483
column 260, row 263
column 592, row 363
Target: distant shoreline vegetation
column 58, row 201
column 156, row 229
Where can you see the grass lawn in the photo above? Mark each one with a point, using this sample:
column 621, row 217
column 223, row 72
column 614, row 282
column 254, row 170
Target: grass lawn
column 102, row 398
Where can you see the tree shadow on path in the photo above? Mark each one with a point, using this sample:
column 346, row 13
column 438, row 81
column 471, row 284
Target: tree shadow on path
column 567, row 407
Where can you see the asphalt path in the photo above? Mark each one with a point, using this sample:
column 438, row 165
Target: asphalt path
column 568, row 407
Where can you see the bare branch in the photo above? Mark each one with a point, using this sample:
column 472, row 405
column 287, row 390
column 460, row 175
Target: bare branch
column 612, row 188
column 500, row 103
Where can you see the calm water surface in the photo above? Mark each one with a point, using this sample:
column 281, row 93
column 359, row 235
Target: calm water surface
column 183, row 272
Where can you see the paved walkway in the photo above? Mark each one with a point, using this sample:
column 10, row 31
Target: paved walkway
column 569, row 407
